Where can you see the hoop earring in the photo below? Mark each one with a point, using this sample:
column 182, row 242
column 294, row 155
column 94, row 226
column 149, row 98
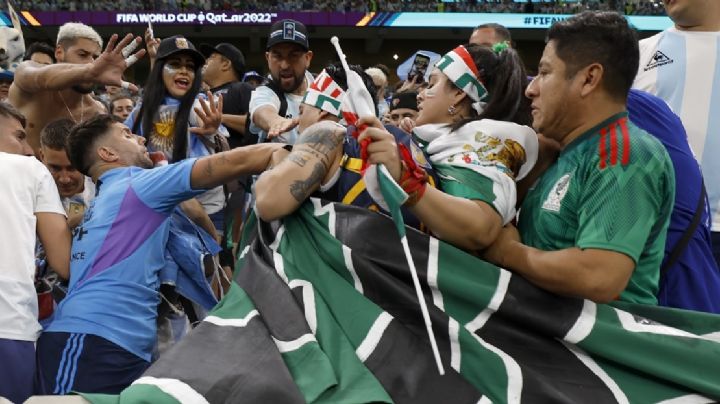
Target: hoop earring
column 452, row 110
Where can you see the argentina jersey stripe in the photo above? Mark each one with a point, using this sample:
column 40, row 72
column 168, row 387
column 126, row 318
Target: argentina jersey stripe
column 710, row 162
column 671, row 77
column 683, row 68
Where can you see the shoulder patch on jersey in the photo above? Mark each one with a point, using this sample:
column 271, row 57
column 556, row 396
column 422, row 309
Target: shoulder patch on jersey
column 658, row 59
column 553, row 202
column 616, row 143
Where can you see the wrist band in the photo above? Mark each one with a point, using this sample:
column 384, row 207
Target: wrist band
column 413, row 178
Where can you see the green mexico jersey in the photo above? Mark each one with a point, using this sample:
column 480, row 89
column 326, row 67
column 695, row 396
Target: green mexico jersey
column 612, row 188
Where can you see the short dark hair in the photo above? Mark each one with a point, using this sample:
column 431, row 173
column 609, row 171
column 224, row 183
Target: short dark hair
column 54, row 135
column 8, row 111
column 83, row 138
column 337, row 73
column 500, row 30
column 40, row 47
column 599, row 37
column 121, row 95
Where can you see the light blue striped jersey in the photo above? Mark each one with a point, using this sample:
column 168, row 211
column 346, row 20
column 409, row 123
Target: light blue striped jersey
column 117, row 254
column 683, row 68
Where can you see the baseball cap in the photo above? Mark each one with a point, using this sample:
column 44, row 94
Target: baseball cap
column 252, row 74
column 288, row 31
column 178, row 44
column 229, row 51
column 404, row 100
column 6, row 75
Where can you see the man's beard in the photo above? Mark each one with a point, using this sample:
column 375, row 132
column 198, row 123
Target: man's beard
column 84, row 88
column 144, row 162
column 297, row 82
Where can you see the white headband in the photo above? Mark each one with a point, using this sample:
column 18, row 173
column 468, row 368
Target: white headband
column 324, row 93
column 459, row 67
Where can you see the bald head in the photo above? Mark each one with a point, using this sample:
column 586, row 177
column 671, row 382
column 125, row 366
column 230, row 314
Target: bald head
column 490, row 34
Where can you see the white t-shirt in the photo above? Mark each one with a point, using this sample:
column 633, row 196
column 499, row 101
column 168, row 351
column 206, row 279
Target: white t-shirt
column 27, row 188
column 263, row 95
column 683, row 68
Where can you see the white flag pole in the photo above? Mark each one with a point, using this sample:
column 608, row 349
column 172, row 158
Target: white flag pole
column 403, row 238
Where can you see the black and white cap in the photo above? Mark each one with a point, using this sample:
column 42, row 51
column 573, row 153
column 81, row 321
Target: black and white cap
column 288, row 31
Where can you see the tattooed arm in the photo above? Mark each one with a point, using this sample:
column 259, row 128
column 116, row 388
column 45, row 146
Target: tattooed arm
column 314, row 159
column 217, row 169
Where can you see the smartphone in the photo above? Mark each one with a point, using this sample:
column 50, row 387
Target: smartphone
column 419, row 67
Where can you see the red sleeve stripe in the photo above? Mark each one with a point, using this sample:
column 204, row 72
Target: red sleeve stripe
column 626, row 142
column 613, row 144
column 603, row 149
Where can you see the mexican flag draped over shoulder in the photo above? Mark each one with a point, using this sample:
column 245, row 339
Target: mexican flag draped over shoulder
column 323, row 310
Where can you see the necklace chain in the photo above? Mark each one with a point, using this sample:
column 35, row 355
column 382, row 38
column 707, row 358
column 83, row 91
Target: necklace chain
column 82, row 108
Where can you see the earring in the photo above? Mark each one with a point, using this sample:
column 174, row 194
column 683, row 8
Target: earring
column 452, row 110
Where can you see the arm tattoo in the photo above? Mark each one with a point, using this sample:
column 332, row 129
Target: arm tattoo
column 320, row 141
column 209, row 167
column 298, row 159
column 301, row 189
column 223, row 158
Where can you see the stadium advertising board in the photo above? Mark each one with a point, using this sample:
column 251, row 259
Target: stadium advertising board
column 399, row 19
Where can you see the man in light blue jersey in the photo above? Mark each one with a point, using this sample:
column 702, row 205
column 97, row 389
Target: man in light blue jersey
column 103, row 332
column 681, row 65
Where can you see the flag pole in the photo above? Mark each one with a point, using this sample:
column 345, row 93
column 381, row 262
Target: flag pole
column 396, row 215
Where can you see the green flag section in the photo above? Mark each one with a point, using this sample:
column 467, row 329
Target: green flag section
column 386, row 193
column 323, row 310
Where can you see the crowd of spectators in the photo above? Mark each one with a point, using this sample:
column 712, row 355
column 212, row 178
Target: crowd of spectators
column 473, row 6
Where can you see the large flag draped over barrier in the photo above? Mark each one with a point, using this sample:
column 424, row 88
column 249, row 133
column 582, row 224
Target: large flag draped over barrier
column 324, row 310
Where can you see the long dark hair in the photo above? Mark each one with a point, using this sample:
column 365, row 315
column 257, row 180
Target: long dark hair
column 337, row 73
column 153, row 95
column 505, row 79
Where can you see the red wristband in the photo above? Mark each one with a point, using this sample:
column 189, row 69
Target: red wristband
column 413, row 178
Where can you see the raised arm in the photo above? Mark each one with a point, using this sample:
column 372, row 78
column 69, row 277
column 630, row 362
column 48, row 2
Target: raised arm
column 54, row 234
column 468, row 224
column 314, row 158
column 108, row 68
column 235, row 122
column 212, row 171
column 217, row 169
column 266, row 118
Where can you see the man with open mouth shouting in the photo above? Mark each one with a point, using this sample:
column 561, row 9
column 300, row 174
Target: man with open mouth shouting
column 275, row 107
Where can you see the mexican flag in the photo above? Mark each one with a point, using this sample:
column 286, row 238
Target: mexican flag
column 323, row 310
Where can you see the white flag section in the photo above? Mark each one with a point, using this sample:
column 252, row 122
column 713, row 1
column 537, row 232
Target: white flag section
column 359, row 101
column 372, row 185
column 15, row 21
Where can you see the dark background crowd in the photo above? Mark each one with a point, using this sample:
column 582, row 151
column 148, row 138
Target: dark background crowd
column 468, row 6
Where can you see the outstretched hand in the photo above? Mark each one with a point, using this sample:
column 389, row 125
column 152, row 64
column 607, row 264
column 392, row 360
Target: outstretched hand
column 210, row 115
column 282, row 125
column 109, row 67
